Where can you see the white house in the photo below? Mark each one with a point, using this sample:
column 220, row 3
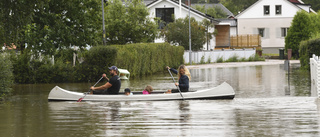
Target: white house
column 271, row 19
column 165, row 8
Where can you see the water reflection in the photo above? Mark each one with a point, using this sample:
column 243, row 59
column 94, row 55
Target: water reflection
column 262, row 107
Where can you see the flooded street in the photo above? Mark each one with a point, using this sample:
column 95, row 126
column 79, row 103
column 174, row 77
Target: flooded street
column 267, row 103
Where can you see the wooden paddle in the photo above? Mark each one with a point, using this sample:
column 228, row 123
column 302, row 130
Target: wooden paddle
column 85, row 94
column 175, row 82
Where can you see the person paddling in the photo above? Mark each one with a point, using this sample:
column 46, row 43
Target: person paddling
column 113, row 85
column 183, row 76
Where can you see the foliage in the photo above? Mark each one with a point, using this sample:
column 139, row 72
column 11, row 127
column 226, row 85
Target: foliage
column 237, row 6
column 202, row 60
column 50, row 25
column 255, row 57
column 219, row 59
column 300, row 29
column 177, row 33
column 315, row 4
column 129, row 23
column 148, row 58
column 307, row 49
column 6, row 75
column 233, row 58
column 96, row 62
column 215, row 12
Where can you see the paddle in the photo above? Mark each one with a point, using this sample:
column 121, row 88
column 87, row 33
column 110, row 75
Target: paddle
column 175, row 82
column 85, row 94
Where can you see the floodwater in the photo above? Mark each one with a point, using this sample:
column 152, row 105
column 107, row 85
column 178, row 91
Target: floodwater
column 267, row 103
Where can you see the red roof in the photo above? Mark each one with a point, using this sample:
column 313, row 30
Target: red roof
column 294, row 1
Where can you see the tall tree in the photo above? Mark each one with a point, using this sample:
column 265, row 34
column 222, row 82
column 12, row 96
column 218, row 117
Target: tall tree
column 48, row 25
column 215, row 12
column 300, row 29
column 65, row 23
column 236, row 6
column 15, row 15
column 177, row 33
column 315, row 4
column 129, row 23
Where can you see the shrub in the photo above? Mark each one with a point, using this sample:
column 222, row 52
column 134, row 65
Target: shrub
column 219, row 59
column 306, row 49
column 6, row 75
column 233, row 58
column 147, row 58
column 202, row 60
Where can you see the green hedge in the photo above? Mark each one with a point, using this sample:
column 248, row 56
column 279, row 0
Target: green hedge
column 139, row 59
column 6, row 75
column 306, row 49
column 96, row 62
column 148, row 58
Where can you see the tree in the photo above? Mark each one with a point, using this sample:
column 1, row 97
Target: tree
column 215, row 12
column 315, row 4
column 177, row 33
column 49, row 25
column 236, row 6
column 301, row 29
column 129, row 23
column 63, row 24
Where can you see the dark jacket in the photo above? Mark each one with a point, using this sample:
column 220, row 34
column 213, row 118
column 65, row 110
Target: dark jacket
column 183, row 81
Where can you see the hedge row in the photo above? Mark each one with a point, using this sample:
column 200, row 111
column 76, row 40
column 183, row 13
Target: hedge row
column 148, row 58
column 139, row 59
column 306, row 49
column 6, row 75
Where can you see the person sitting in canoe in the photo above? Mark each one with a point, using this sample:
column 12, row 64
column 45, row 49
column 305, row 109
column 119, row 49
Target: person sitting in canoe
column 147, row 90
column 127, row 92
column 113, row 85
column 183, row 76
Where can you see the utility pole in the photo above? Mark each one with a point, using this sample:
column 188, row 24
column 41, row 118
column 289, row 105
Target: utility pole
column 190, row 59
column 103, row 26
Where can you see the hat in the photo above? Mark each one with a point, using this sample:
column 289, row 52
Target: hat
column 113, row 68
column 127, row 90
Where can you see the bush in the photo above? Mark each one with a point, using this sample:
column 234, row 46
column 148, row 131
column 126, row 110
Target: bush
column 147, row 58
column 300, row 30
column 139, row 59
column 220, row 59
column 306, row 49
column 233, row 58
column 96, row 62
column 6, row 79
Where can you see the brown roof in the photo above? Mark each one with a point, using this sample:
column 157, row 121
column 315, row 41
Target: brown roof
column 295, row 1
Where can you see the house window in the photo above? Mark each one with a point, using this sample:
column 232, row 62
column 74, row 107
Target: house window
column 165, row 15
column 266, row 10
column 284, row 32
column 261, row 32
column 278, row 9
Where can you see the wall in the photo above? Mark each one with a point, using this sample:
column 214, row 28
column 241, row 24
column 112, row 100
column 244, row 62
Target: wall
column 215, row 54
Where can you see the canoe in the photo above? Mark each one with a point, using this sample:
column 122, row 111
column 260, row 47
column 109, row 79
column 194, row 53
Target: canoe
column 222, row 91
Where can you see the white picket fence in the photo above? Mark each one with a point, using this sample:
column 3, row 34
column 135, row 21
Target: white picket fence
column 315, row 74
column 212, row 56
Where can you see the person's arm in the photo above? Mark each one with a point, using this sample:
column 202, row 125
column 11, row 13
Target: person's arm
column 105, row 76
column 105, row 86
column 173, row 70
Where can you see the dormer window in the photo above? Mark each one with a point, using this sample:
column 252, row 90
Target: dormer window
column 266, row 10
column 278, row 9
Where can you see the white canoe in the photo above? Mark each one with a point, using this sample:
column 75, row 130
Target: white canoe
column 222, row 91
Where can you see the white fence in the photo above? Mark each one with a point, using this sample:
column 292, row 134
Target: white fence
column 315, row 74
column 216, row 54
